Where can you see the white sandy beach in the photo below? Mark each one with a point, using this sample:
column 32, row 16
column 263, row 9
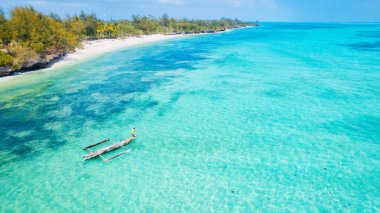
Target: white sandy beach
column 93, row 48
column 98, row 47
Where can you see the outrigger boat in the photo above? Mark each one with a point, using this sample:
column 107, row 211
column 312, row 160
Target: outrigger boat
column 101, row 151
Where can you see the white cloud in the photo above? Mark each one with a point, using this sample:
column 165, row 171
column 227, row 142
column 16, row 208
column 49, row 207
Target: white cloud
column 172, row 2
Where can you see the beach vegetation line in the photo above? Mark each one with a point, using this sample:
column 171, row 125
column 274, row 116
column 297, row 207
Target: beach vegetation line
column 30, row 39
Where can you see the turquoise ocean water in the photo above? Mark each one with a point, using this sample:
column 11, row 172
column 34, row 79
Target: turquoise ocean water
column 284, row 117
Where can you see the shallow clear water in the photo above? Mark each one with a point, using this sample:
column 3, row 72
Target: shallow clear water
column 284, row 117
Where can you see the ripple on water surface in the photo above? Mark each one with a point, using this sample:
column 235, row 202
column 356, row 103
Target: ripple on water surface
column 283, row 117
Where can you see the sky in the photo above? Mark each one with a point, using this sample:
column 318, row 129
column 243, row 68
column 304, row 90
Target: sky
column 247, row 10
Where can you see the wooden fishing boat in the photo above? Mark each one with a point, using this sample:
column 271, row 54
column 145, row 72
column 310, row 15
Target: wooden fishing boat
column 101, row 151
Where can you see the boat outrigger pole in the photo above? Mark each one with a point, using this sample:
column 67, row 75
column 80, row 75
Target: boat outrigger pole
column 101, row 151
column 95, row 144
column 110, row 158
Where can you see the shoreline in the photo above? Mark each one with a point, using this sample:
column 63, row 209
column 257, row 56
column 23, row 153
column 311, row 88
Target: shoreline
column 98, row 47
column 93, row 48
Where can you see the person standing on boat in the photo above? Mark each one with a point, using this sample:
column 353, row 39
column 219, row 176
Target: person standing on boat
column 133, row 132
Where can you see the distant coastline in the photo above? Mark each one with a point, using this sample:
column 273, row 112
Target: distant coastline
column 92, row 48
column 31, row 40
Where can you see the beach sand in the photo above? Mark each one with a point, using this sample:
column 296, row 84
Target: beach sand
column 93, row 48
column 97, row 47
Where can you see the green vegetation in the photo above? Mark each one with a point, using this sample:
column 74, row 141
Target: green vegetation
column 29, row 36
column 5, row 60
column 88, row 26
